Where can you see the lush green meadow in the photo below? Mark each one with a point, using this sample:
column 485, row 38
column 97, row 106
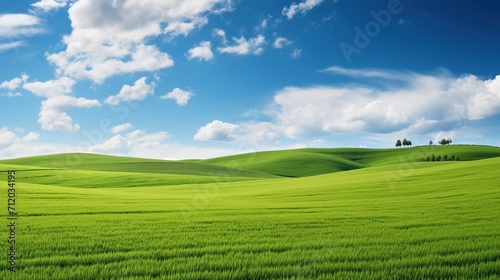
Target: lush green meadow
column 298, row 214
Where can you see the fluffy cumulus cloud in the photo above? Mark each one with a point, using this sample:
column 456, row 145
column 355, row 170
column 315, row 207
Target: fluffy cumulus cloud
column 14, row 83
column 114, row 37
column 49, row 5
column 132, row 140
column 121, row 128
column 180, row 96
column 201, row 52
column 113, row 144
column 14, row 144
column 53, row 114
column 243, row 46
column 139, row 91
column 248, row 133
column 402, row 102
column 51, row 88
column 484, row 101
column 7, row 137
column 31, row 136
column 216, row 131
column 154, row 145
column 302, row 8
column 423, row 103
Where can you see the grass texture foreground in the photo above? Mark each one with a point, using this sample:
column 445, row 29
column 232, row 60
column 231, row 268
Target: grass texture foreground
column 297, row 214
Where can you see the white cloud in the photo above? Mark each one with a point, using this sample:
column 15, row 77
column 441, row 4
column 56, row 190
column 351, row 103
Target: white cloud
column 30, row 137
column 280, row 42
column 422, row 104
column 115, row 37
column 373, row 73
column 302, row 7
column 216, row 131
column 12, row 94
column 248, row 133
column 263, row 25
column 139, row 91
column 112, row 144
column 244, row 46
column 202, row 52
column 22, row 149
column 53, row 114
column 121, row 128
column 136, row 144
column 48, row 5
column 185, row 27
column 485, row 99
column 14, row 83
column 140, row 137
column 180, row 96
column 14, row 25
column 131, row 146
column 7, row 137
column 11, row 45
column 257, row 133
column 51, row 88
column 221, row 34
column 296, row 53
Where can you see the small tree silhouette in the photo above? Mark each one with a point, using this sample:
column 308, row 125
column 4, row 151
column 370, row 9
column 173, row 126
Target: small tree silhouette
column 398, row 143
column 405, row 142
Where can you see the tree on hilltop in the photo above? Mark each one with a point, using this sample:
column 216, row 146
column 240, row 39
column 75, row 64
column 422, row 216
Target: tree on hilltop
column 405, row 142
column 398, row 143
column 445, row 141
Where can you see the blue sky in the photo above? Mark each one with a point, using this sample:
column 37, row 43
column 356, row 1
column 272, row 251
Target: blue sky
column 196, row 79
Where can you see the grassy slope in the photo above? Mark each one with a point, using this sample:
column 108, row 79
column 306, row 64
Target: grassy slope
column 407, row 219
column 287, row 163
column 126, row 164
column 309, row 162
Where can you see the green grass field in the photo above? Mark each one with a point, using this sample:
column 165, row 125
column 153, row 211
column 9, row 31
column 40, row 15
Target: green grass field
column 297, row 214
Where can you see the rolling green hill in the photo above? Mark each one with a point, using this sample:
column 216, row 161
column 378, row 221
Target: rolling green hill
column 310, row 162
column 268, row 164
column 387, row 215
column 95, row 162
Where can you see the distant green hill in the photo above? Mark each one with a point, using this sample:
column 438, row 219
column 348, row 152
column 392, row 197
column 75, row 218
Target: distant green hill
column 269, row 164
column 310, row 162
column 94, row 162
